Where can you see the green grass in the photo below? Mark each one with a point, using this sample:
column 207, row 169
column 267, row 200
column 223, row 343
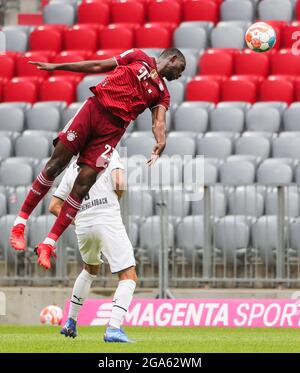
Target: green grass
column 48, row 339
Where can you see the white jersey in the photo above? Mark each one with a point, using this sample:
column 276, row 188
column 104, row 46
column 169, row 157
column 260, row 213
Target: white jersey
column 101, row 205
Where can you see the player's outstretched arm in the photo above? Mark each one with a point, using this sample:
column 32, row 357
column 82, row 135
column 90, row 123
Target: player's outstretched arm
column 159, row 132
column 88, row 67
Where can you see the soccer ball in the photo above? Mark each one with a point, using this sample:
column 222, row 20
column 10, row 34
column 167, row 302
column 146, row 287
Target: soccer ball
column 51, row 315
column 260, row 37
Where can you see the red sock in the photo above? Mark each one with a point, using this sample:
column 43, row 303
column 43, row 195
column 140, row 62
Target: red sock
column 66, row 216
column 38, row 190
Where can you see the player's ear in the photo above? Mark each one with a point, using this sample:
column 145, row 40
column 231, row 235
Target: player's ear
column 173, row 58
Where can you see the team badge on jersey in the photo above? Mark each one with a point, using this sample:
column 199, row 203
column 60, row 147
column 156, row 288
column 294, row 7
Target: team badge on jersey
column 71, row 135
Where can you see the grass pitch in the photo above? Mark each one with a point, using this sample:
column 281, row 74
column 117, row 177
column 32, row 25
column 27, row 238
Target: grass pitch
column 168, row 340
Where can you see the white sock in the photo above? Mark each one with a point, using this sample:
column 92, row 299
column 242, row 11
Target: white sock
column 80, row 292
column 49, row 241
column 121, row 302
column 20, row 220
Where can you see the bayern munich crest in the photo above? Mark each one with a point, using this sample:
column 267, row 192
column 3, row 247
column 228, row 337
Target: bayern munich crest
column 71, row 135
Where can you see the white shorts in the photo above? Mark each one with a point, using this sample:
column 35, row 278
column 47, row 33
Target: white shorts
column 111, row 241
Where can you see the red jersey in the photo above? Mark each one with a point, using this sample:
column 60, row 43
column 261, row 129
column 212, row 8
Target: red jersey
column 133, row 86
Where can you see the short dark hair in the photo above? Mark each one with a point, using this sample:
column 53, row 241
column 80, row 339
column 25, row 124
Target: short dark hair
column 172, row 52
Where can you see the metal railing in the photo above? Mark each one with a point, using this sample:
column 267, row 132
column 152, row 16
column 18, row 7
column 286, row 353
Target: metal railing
column 234, row 237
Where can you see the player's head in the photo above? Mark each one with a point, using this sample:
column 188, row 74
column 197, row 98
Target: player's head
column 171, row 63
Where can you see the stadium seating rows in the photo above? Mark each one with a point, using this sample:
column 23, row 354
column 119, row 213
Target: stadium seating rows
column 214, row 113
column 90, row 37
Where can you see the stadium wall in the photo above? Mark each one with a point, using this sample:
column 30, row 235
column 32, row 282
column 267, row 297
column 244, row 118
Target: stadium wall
column 24, row 304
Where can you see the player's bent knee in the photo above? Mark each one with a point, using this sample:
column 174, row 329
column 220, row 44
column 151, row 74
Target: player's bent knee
column 128, row 274
column 53, row 169
column 92, row 269
column 58, row 161
column 84, row 181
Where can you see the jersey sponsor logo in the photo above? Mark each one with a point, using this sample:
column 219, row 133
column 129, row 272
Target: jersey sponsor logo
column 143, row 74
column 71, row 135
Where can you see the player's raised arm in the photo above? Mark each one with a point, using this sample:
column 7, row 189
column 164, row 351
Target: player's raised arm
column 88, row 67
column 159, row 131
column 117, row 176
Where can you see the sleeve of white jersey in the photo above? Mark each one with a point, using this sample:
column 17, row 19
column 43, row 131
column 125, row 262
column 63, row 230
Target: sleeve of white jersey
column 65, row 186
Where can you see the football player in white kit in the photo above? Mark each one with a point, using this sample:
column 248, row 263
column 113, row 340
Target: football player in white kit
column 99, row 229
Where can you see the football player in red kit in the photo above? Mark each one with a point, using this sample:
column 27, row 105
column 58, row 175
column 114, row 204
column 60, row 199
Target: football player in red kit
column 134, row 84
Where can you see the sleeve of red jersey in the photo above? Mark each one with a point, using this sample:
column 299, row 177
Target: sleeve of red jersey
column 129, row 56
column 164, row 100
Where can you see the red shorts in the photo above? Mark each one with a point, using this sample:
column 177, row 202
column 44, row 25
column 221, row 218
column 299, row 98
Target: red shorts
column 93, row 133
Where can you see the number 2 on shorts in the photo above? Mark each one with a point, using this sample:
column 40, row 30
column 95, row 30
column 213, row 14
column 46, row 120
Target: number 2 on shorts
column 106, row 152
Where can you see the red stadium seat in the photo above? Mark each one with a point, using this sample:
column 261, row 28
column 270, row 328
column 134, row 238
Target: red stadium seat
column 74, row 79
column 12, row 54
column 81, row 38
column 297, row 9
column 104, row 54
column 291, row 34
column 285, row 62
column 252, row 63
column 20, row 89
column 297, row 90
column 131, row 26
column 45, row 38
column 67, row 56
column 164, row 11
column 78, row 52
column 30, row 19
column 203, row 88
column 216, row 63
column 116, row 37
column 168, row 25
column 279, row 27
column 23, row 68
column 128, row 11
column 277, row 90
column 200, row 10
column 91, row 11
column 153, row 36
column 2, row 83
column 239, row 89
column 257, row 79
column 99, row 1
column 44, row 3
column 7, row 64
column 54, row 89
column 231, row 51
